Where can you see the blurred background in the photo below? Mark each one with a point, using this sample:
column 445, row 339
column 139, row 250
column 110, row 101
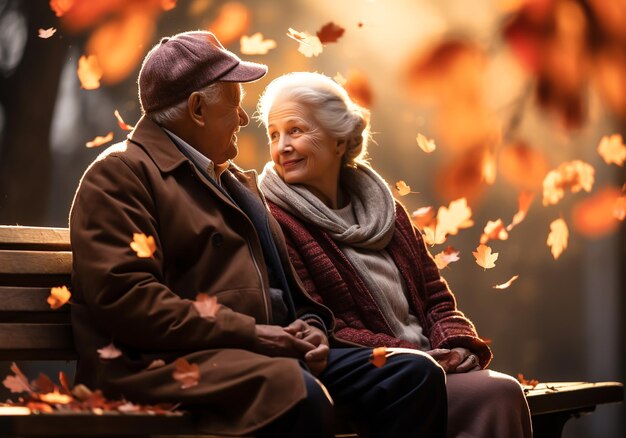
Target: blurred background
column 508, row 90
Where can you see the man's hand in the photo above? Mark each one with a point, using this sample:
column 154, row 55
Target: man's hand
column 273, row 340
column 316, row 358
column 457, row 360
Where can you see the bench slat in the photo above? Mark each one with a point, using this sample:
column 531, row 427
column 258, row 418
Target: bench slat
column 26, row 299
column 547, row 398
column 36, row 336
column 35, row 262
column 34, row 237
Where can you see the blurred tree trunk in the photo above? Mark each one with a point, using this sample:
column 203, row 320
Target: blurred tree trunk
column 28, row 97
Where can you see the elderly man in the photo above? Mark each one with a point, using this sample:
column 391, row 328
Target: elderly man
column 217, row 289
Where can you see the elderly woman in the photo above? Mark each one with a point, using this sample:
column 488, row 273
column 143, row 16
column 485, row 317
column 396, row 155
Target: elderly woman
column 357, row 252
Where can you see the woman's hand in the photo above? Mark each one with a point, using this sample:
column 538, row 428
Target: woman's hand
column 456, row 360
column 316, row 358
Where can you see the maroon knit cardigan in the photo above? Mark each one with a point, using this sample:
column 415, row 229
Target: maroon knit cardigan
column 331, row 279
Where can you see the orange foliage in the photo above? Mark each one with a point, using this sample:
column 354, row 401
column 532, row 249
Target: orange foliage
column 89, row 72
column 484, row 258
column 524, row 200
column 558, row 237
column 330, row 33
column 143, row 245
column 462, row 177
column 494, row 230
column 573, row 175
column 402, row 188
column 255, row 44
column 423, row 217
column 60, row 7
column 233, row 20
column 358, row 87
column 523, row 166
column 447, row 256
column 378, row 357
column 58, row 297
column 612, row 149
column 593, row 217
column 46, row 33
column 425, row 144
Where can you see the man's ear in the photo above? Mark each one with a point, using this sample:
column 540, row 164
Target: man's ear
column 196, row 108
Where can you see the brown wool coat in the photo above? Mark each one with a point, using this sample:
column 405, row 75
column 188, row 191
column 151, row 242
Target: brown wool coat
column 205, row 243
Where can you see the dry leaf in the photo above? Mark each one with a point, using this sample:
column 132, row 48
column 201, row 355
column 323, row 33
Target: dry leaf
column 143, row 245
column 43, row 384
column 58, row 297
column 557, row 239
column 447, row 256
column 330, row 33
column 89, row 72
column 524, row 200
column 255, row 44
column 494, row 230
column 425, row 144
column 310, row 45
column 506, row 284
column 433, row 235
column 186, row 373
column 157, row 363
column 612, row 149
column 484, row 257
column 17, row 383
column 340, row 79
column 423, row 216
column 402, row 188
column 46, row 33
column 206, row 305
column 378, row 358
column 573, row 175
column 168, row 5
column 99, row 140
column 109, row 352
column 60, row 7
column 456, row 216
column 522, row 380
column 56, row 398
column 121, row 122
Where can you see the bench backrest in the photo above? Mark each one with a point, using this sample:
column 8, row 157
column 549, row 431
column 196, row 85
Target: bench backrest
column 32, row 261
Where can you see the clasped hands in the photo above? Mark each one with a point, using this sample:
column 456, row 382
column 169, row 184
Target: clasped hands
column 456, row 360
column 298, row 340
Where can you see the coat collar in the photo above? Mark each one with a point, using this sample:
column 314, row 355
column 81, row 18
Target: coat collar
column 157, row 144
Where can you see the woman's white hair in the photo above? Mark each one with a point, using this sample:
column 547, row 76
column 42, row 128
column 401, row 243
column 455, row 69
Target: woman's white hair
column 175, row 112
column 331, row 106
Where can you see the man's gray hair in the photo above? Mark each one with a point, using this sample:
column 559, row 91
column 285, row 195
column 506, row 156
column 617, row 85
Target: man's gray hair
column 163, row 117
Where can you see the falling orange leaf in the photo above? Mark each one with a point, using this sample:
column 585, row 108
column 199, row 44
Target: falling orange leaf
column 99, row 140
column 447, row 256
column 573, row 175
column 56, row 398
column 256, row 44
column 121, row 122
column 143, row 245
column 506, row 284
column 358, row 87
column 310, row 45
column 168, row 5
column 433, row 235
column 595, row 216
column 425, row 144
column 524, row 200
column 494, row 230
column 89, row 72
column 58, row 297
column 423, row 217
column 612, row 149
column 484, row 257
column 60, row 7
column 402, row 188
column 17, row 383
column 46, row 33
column 109, row 352
column 532, row 382
column 233, row 20
column 186, row 373
column 557, row 239
column 206, row 305
column 378, row 358
column 330, row 33
column 454, row 217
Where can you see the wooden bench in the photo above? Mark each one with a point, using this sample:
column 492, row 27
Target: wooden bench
column 32, row 260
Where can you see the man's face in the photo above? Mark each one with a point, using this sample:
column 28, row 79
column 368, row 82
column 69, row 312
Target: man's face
column 224, row 117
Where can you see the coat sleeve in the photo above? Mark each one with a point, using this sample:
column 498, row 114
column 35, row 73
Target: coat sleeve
column 126, row 294
column 448, row 326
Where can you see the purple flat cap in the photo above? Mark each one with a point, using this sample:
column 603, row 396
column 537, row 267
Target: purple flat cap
column 187, row 62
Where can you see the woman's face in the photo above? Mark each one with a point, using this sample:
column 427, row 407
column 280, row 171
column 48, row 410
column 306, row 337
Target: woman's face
column 303, row 153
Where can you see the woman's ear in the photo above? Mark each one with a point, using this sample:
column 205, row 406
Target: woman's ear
column 341, row 147
column 196, row 108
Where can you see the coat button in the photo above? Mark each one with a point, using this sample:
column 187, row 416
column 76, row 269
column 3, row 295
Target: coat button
column 217, row 239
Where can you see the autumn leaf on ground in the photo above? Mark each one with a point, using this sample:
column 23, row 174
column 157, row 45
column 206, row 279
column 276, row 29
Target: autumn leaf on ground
column 186, row 373
column 522, row 380
column 573, row 175
column 523, row 204
column 206, row 305
column 100, row 140
column 121, row 122
column 89, row 72
column 310, row 45
column 494, row 230
column 58, row 297
column 60, row 7
column 612, row 149
column 143, row 245
column 506, row 284
column 447, row 256
column 425, row 144
column 456, row 216
column 402, row 188
column 43, row 384
column 255, row 44
column 423, row 216
column 56, row 398
column 557, row 239
column 340, row 79
column 46, row 33
column 484, row 258
column 378, row 357
column 168, row 5
column 109, row 352
column 17, row 383
column 330, row 33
